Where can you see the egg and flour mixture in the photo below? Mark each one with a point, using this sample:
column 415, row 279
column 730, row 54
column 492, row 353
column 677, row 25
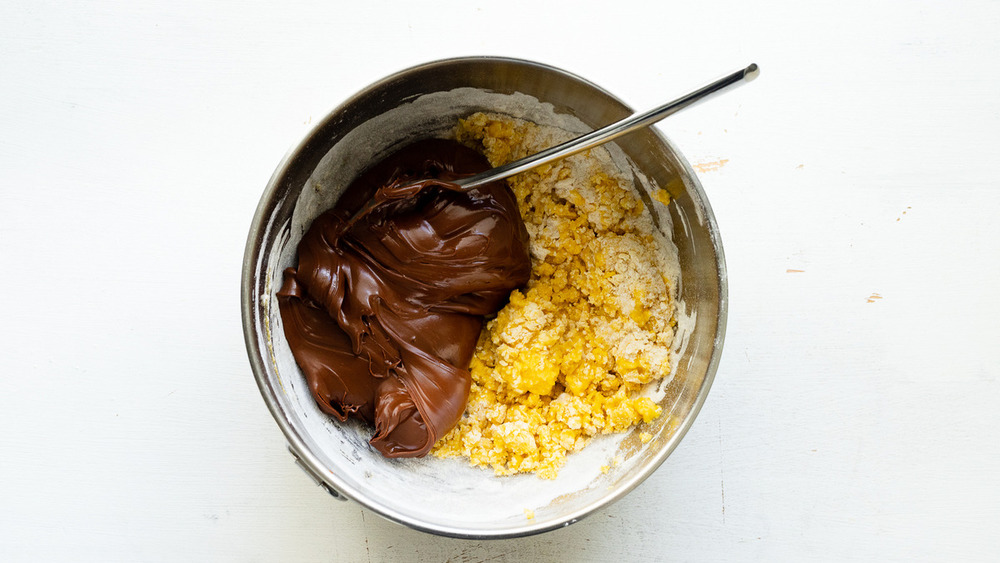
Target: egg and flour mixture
column 565, row 359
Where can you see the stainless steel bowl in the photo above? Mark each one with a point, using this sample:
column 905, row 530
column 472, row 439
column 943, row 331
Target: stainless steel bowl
column 445, row 496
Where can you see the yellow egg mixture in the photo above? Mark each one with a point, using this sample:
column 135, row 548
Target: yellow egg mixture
column 565, row 359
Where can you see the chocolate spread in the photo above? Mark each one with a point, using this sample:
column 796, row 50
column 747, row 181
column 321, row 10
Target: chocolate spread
column 392, row 285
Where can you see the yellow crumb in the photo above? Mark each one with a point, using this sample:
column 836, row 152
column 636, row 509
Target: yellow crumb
column 645, row 437
column 565, row 359
column 662, row 196
column 529, row 514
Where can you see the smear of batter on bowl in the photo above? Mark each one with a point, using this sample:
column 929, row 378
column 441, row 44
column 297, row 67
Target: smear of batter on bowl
column 565, row 359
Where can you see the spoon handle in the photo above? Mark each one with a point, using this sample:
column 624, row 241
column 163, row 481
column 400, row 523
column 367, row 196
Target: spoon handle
column 609, row 132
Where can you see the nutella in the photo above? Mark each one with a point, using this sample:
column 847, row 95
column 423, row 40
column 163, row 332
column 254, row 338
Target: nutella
column 384, row 309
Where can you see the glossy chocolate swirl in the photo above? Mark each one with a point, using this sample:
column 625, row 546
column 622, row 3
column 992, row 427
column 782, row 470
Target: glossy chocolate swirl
column 384, row 309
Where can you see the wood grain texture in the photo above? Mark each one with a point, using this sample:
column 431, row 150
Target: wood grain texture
column 854, row 413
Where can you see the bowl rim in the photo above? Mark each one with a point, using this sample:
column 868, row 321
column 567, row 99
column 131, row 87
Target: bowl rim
column 296, row 445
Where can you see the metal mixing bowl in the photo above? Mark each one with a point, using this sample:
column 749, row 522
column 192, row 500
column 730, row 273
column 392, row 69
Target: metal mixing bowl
column 446, row 496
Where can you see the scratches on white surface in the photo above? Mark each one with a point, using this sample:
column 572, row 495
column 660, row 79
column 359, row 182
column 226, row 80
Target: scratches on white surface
column 138, row 138
column 722, row 465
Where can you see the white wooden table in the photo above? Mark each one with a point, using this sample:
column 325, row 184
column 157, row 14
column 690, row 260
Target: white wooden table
column 855, row 412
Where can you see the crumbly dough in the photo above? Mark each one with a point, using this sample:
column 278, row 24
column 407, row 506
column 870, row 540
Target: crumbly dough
column 565, row 359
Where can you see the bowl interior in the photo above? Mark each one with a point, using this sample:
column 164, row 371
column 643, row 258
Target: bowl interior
column 447, row 496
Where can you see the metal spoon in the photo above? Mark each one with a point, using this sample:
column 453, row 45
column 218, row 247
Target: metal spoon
column 609, row 132
column 573, row 146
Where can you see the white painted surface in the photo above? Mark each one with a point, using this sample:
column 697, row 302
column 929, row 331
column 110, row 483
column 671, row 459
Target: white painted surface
column 855, row 413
